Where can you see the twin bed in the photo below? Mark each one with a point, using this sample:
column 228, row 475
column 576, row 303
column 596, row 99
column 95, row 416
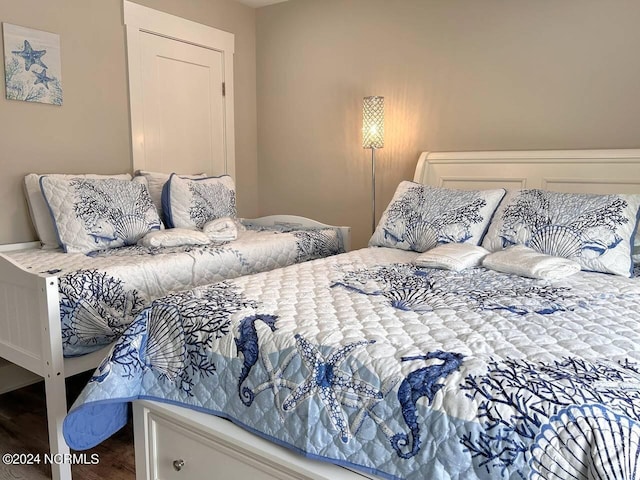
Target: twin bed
column 383, row 369
column 60, row 312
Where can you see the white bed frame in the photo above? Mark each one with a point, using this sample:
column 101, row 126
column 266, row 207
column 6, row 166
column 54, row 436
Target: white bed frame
column 161, row 430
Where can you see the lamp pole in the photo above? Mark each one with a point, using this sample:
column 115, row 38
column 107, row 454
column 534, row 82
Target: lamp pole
column 373, row 188
column 373, row 138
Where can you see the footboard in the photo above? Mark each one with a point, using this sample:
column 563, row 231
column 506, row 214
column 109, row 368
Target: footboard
column 29, row 318
column 297, row 221
column 31, row 337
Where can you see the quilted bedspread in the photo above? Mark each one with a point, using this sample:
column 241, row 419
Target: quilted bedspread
column 367, row 361
column 101, row 294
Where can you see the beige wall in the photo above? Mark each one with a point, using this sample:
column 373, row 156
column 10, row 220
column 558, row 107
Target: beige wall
column 455, row 74
column 90, row 132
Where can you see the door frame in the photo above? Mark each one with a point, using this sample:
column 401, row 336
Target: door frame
column 139, row 19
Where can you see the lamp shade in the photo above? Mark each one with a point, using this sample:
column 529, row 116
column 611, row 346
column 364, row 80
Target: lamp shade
column 373, row 122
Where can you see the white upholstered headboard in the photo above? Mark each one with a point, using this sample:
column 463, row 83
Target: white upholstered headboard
column 576, row 171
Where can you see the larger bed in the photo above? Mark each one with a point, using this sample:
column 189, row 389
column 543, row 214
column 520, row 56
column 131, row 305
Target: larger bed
column 372, row 363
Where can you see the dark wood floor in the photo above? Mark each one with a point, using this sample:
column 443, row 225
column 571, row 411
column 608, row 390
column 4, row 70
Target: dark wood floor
column 23, row 429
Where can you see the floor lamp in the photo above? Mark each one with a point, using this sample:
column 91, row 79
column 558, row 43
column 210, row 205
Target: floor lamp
column 373, row 138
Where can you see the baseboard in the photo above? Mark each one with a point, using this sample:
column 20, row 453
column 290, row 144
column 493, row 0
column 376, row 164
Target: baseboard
column 13, row 377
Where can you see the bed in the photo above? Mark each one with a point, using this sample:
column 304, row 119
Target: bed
column 386, row 369
column 61, row 311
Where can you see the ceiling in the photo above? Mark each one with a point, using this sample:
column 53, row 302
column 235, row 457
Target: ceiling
column 260, row 3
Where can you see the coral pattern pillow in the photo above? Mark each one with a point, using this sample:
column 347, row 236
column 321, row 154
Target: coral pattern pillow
column 421, row 217
column 91, row 214
column 191, row 203
column 594, row 230
column 156, row 181
column 40, row 215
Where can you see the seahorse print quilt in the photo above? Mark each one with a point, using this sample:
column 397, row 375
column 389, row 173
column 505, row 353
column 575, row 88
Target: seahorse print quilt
column 370, row 362
column 101, row 294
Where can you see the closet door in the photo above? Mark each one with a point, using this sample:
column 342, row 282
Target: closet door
column 181, row 95
column 183, row 106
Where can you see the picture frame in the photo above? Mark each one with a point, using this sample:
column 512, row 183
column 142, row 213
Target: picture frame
column 32, row 65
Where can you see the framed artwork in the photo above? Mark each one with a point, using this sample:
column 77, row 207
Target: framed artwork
column 32, row 66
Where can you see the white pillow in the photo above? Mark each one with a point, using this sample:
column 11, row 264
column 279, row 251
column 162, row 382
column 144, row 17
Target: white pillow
column 94, row 214
column 191, row 203
column 155, row 182
column 40, row 215
column 173, row 237
column 526, row 262
column 224, row 229
column 452, row 256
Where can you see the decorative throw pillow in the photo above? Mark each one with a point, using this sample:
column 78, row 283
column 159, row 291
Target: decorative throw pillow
column 92, row 214
column 156, row 181
column 174, row 237
column 40, row 215
column 452, row 256
column 420, row 217
column 189, row 203
column 594, row 230
column 526, row 262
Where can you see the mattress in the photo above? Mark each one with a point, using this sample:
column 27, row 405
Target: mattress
column 364, row 360
column 102, row 293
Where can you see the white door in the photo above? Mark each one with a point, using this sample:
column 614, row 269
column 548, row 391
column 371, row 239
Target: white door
column 181, row 93
column 182, row 104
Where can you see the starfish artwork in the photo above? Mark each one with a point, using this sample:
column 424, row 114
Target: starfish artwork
column 30, row 56
column 32, row 65
column 42, row 78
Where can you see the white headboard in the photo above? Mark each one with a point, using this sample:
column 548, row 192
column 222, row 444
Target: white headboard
column 575, row 171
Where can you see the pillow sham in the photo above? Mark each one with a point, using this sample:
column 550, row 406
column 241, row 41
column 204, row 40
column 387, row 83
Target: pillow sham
column 594, row 230
column 156, row 181
column 420, row 217
column 190, row 203
column 95, row 214
column 39, row 211
column 452, row 256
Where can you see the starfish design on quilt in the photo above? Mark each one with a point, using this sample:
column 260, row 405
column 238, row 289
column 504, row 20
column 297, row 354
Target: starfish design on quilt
column 42, row 78
column 30, row 56
column 276, row 379
column 329, row 382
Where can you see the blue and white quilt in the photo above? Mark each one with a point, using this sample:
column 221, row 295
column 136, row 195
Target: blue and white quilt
column 367, row 361
column 101, row 294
